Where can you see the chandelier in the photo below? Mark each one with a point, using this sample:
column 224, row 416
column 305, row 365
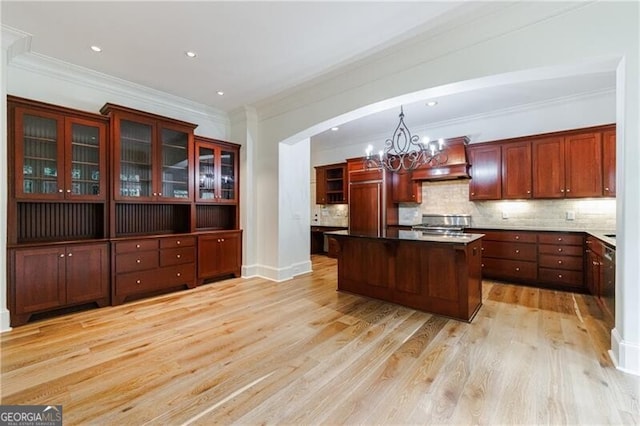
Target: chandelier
column 405, row 152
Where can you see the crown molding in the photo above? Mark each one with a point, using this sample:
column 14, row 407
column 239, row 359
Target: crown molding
column 15, row 42
column 61, row 70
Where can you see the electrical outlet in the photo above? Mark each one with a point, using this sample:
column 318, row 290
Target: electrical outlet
column 505, row 215
column 571, row 215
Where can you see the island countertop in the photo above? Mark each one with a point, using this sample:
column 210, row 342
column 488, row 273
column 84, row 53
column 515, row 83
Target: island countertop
column 410, row 235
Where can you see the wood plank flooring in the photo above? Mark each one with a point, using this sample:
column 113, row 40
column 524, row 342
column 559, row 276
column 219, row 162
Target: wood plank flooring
column 298, row 352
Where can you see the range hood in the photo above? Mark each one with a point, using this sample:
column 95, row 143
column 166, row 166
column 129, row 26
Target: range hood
column 456, row 166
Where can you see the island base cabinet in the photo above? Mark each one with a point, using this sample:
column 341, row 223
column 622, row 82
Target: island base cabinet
column 440, row 278
column 48, row 278
column 219, row 254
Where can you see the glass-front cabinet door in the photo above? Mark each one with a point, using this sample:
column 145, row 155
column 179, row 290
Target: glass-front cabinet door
column 216, row 173
column 86, row 156
column 174, row 154
column 135, row 180
column 39, row 160
column 228, row 186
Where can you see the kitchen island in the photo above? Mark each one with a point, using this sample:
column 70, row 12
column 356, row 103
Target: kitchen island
column 440, row 274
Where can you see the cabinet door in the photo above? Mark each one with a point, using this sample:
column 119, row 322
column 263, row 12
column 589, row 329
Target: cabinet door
column 217, row 173
column 485, row 183
column 321, row 185
column 609, row 163
column 134, row 171
column 228, row 175
column 365, row 207
column 583, row 162
column 85, row 158
column 87, row 273
column 174, row 158
column 548, row 167
column 219, row 254
column 206, row 172
column 516, row 170
column 39, row 155
column 594, row 269
column 39, row 279
column 404, row 189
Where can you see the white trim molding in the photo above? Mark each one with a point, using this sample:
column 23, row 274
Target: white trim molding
column 277, row 274
column 625, row 355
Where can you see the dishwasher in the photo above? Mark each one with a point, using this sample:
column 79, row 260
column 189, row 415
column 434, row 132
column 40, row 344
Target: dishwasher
column 609, row 280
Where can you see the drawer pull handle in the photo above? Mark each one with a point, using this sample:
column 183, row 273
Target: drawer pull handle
column 517, row 251
column 559, row 250
column 518, row 269
column 483, row 265
column 559, row 262
column 178, row 256
column 517, row 237
column 222, row 240
column 138, row 281
column 559, row 275
column 178, row 242
column 138, row 261
column 482, row 248
column 178, row 274
column 137, row 245
column 559, row 238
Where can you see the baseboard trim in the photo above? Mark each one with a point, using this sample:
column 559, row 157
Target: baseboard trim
column 277, row 274
column 624, row 354
column 5, row 320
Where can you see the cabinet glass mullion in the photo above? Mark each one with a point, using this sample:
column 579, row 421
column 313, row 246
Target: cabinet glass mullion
column 206, row 173
column 135, row 178
column 175, row 163
column 41, row 159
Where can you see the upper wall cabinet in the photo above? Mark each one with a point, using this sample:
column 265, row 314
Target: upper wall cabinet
column 609, row 163
column 58, row 156
column 152, row 156
column 516, row 170
column 485, row 183
column 216, row 171
column 569, row 166
column 331, row 184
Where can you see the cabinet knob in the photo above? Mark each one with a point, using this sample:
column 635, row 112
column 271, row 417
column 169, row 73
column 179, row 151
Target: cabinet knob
column 68, row 191
column 155, row 193
column 559, row 275
column 517, row 237
column 138, row 260
column 562, row 190
column 62, row 255
column 473, row 193
column 59, row 190
column 606, row 189
column 178, row 256
column 560, row 250
column 137, row 245
column 70, row 254
column 178, row 242
column 178, row 274
column 528, row 191
column 138, row 281
column 518, row 269
column 568, row 190
column 159, row 194
column 483, row 265
column 482, row 248
column 559, row 262
column 517, row 251
column 222, row 240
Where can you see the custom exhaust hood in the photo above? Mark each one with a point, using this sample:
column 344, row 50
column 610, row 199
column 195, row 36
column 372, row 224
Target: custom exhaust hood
column 456, row 166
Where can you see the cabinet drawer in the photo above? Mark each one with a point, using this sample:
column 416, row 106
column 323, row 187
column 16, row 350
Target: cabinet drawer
column 513, row 236
column 175, row 242
column 563, row 250
column 498, row 268
column 508, row 250
column 561, row 239
column 559, row 276
column 141, row 261
column 156, row 279
column 595, row 246
column 138, row 245
column 177, row 256
column 560, row 262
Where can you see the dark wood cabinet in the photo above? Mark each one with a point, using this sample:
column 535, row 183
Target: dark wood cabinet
column 509, row 255
column 152, row 156
column 331, row 184
column 405, row 189
column 54, row 277
column 548, row 167
column 516, row 170
column 561, row 260
column 485, row 171
column 219, row 254
column 600, row 276
column 216, row 171
column 609, row 163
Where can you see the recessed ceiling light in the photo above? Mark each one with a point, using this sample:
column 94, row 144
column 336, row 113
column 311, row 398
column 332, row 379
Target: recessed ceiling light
column 335, row 129
column 190, row 54
column 96, row 48
column 220, row 92
column 432, row 103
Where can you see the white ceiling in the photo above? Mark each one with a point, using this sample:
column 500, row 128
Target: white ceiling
column 249, row 50
column 255, row 50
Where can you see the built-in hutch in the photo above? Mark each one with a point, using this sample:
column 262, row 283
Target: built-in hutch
column 109, row 208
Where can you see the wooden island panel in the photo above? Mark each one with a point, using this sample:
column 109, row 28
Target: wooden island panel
column 438, row 277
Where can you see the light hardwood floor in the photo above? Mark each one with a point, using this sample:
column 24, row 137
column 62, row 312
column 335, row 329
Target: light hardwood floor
column 298, row 352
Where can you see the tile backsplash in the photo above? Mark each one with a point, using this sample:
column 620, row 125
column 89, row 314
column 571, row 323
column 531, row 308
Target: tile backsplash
column 330, row 215
column 452, row 197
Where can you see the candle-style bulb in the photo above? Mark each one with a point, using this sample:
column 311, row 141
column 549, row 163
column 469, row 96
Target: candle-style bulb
column 381, row 154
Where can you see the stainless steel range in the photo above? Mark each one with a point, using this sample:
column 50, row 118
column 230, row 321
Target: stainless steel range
column 446, row 224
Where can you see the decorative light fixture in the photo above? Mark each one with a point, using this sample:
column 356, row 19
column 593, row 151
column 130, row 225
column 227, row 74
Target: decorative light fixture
column 96, row 49
column 404, row 152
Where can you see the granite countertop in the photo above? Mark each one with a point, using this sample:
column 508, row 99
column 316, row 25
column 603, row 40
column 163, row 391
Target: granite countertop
column 601, row 234
column 408, row 235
